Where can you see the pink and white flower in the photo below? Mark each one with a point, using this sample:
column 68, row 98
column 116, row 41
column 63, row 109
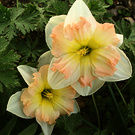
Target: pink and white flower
column 86, row 53
column 40, row 101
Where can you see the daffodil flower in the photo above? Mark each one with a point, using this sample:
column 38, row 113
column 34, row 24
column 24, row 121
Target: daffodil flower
column 39, row 100
column 85, row 52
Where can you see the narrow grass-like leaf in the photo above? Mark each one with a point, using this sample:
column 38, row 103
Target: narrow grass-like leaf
column 30, row 130
column 117, row 108
column 93, row 98
column 120, row 94
column 10, row 125
column 1, row 88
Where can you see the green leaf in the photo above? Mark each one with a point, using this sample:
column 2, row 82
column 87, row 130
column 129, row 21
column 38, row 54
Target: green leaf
column 70, row 124
column 97, row 7
column 132, row 130
column 132, row 85
column 104, row 132
column 117, row 109
column 58, row 7
column 110, row 2
column 30, row 50
column 39, row 1
column 41, row 133
column 7, row 71
column 71, row 1
column 7, row 64
column 15, row 13
column 4, row 18
column 123, row 27
column 30, row 130
column 1, row 88
column 83, row 131
column 130, row 41
column 25, row 22
column 17, row 19
column 41, row 19
column 10, row 31
column 7, row 19
column 3, row 44
column 10, row 125
column 131, row 109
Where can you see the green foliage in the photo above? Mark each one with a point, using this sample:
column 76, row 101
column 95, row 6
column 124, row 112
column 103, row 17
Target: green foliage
column 3, row 45
column 1, row 88
column 57, row 7
column 9, row 126
column 130, row 41
column 69, row 123
column 71, row 1
column 14, row 20
column 110, row 2
column 123, row 27
column 30, row 130
column 132, row 130
column 101, row 132
column 4, row 18
column 8, row 58
column 41, row 19
column 7, row 68
column 128, row 30
column 98, row 8
column 131, row 109
column 30, row 50
column 25, row 19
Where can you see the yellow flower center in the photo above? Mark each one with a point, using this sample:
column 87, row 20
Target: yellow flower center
column 84, row 51
column 46, row 93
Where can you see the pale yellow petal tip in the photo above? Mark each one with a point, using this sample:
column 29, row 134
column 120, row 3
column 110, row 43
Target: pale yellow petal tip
column 19, row 67
column 120, row 37
column 77, row 10
column 54, row 21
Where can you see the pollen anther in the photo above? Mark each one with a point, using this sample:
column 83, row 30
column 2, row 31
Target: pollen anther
column 84, row 51
column 46, row 93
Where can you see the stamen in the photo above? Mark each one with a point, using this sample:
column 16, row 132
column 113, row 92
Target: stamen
column 84, row 51
column 46, row 93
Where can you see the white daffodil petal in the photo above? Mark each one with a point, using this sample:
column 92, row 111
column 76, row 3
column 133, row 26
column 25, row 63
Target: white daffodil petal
column 76, row 108
column 45, row 59
column 78, row 9
column 46, row 128
column 15, row 105
column 124, row 69
column 26, row 72
column 87, row 90
column 54, row 21
column 57, row 80
column 120, row 36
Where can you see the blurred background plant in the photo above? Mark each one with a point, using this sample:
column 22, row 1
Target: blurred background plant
column 110, row 111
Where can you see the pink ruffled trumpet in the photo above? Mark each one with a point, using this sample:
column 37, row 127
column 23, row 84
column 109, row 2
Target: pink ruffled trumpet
column 39, row 100
column 86, row 53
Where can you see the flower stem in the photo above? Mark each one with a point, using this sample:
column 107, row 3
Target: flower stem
column 96, row 111
column 17, row 3
column 120, row 94
column 123, row 100
column 117, row 108
column 89, row 124
column 127, row 83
